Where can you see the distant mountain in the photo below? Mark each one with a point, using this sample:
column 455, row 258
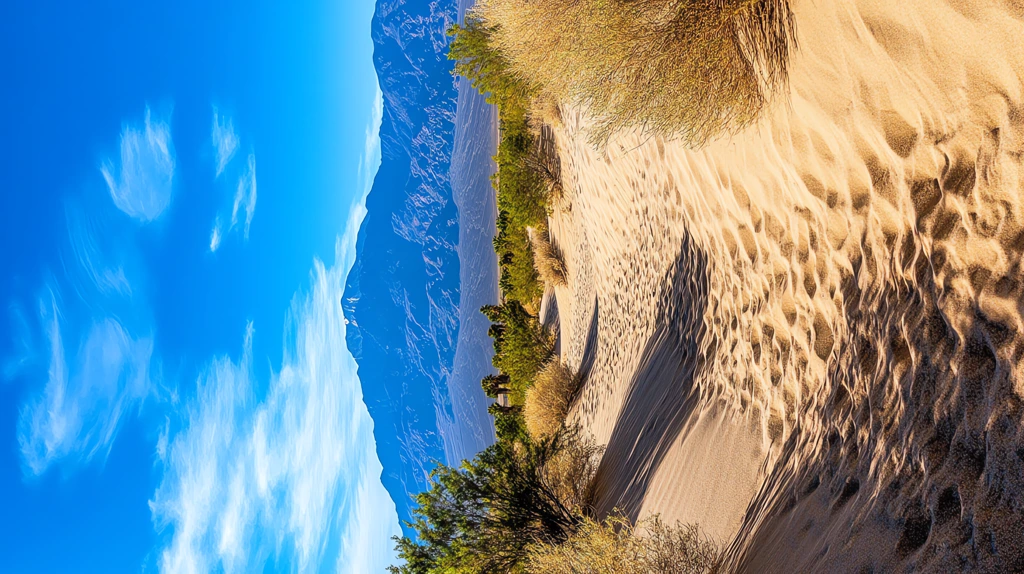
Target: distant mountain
column 404, row 292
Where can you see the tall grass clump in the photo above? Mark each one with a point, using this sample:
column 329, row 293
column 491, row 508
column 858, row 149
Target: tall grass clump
column 615, row 546
column 570, row 472
column 686, row 68
column 548, row 259
column 548, row 399
column 544, row 161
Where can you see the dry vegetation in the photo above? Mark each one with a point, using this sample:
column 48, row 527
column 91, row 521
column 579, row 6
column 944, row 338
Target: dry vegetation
column 685, row 68
column 617, row 547
column 548, row 174
column 548, row 259
column 570, row 473
column 548, row 399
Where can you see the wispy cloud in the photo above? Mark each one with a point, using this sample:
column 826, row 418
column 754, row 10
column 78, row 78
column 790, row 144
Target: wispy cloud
column 225, row 140
column 21, row 335
column 226, row 143
column 371, row 148
column 215, row 236
column 89, row 348
column 83, row 402
column 245, row 195
column 92, row 247
column 293, row 473
column 141, row 182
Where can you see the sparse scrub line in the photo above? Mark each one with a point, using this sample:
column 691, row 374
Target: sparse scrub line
column 528, row 180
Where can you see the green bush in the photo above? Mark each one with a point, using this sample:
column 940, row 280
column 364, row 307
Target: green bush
column 483, row 516
column 521, row 345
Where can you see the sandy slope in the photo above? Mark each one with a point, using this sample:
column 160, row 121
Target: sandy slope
column 805, row 336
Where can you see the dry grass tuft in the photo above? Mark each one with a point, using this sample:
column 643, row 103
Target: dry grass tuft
column 548, row 260
column 687, row 68
column 570, row 473
column 544, row 161
column 545, row 108
column 617, row 547
column 548, row 400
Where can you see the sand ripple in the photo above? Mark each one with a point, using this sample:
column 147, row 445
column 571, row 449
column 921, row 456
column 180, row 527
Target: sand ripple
column 806, row 336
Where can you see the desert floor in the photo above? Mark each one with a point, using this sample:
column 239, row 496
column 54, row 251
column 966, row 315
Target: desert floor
column 805, row 336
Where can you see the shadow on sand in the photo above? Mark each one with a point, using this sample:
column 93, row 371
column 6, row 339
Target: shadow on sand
column 661, row 395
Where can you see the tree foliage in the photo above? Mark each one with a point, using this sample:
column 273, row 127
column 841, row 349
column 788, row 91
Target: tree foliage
column 486, row 68
column 521, row 344
column 520, row 189
column 483, row 516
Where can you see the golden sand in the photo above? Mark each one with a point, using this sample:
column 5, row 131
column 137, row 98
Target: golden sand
column 805, row 336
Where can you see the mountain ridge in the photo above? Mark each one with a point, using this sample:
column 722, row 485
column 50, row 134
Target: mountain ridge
column 403, row 295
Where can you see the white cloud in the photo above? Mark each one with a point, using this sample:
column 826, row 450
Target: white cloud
column 284, row 470
column 141, row 184
column 244, row 200
column 225, row 141
column 293, row 474
column 363, row 548
column 245, row 194
column 81, row 406
column 215, row 236
column 22, row 338
column 95, row 251
column 161, row 441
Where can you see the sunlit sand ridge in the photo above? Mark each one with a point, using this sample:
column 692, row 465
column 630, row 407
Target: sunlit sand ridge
column 804, row 336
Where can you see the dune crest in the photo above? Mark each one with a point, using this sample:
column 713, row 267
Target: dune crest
column 805, row 336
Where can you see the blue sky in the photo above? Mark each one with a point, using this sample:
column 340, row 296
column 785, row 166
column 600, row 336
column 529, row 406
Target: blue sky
column 179, row 198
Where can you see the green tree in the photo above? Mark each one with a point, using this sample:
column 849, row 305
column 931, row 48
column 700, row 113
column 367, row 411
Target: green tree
column 482, row 516
column 521, row 343
column 495, row 385
column 488, row 70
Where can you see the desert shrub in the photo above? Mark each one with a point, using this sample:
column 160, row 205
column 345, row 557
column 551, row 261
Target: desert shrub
column 615, row 546
column 521, row 345
column 518, row 277
column 548, row 260
column 570, row 472
column 548, row 399
column 482, row 517
column 544, row 163
column 487, row 69
column 692, row 68
column 545, row 108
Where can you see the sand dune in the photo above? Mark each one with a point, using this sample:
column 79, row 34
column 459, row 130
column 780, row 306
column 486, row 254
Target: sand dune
column 806, row 336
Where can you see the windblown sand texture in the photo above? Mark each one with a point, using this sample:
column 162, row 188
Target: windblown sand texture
column 806, row 337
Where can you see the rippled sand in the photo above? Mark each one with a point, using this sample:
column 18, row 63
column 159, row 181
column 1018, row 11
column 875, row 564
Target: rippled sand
column 806, row 336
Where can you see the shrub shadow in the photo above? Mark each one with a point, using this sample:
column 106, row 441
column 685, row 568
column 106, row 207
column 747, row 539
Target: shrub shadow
column 662, row 393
